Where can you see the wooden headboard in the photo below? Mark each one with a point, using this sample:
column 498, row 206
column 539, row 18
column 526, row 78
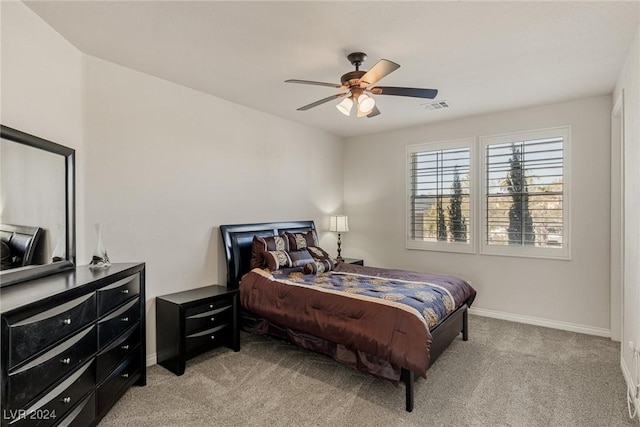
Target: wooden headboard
column 238, row 239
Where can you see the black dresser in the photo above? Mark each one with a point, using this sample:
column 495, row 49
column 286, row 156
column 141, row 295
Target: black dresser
column 72, row 344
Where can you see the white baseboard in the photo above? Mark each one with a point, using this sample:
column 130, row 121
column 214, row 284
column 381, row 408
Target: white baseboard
column 152, row 359
column 530, row 320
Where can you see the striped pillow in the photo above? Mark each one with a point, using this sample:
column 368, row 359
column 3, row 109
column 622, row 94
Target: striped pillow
column 264, row 244
column 276, row 260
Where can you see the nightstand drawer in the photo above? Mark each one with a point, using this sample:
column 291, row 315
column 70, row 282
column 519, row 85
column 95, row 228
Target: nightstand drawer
column 115, row 294
column 117, row 322
column 59, row 401
column 209, row 305
column 110, row 357
column 210, row 338
column 31, row 335
column 208, row 319
column 27, row 382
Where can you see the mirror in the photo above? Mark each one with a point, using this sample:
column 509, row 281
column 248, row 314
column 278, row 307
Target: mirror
column 37, row 207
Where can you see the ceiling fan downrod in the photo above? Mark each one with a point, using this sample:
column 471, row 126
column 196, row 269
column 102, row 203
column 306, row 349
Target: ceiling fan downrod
column 356, row 59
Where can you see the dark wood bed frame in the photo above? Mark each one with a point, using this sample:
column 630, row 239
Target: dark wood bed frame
column 238, row 239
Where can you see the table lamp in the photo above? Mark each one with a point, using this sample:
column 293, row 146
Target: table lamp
column 339, row 224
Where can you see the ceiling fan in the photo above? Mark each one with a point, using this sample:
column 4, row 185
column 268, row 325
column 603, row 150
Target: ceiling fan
column 358, row 84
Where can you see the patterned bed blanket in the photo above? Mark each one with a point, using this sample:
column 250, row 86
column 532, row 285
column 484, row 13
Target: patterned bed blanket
column 431, row 301
column 386, row 313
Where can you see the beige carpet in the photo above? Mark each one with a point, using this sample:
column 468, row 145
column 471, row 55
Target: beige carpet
column 507, row 374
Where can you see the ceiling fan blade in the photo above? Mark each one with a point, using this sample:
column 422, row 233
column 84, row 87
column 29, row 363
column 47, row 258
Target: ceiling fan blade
column 373, row 113
column 322, row 101
column 405, row 91
column 377, row 72
column 310, row 82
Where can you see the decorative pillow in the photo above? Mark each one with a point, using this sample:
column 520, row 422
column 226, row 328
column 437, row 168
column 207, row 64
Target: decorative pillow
column 318, row 267
column 299, row 241
column 319, row 254
column 300, row 258
column 276, row 260
column 264, row 244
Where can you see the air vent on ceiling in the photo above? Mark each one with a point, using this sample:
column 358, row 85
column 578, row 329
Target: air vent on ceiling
column 438, row 105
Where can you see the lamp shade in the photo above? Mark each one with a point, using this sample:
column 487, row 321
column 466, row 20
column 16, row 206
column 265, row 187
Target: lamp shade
column 339, row 223
column 345, row 106
column 366, row 104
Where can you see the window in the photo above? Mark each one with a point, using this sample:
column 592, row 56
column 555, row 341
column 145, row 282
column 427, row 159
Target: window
column 525, row 205
column 440, row 196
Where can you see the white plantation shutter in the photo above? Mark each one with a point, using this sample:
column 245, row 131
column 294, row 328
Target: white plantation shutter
column 525, row 207
column 432, row 187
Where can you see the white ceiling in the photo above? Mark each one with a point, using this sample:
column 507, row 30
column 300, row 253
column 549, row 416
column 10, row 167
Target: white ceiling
column 482, row 56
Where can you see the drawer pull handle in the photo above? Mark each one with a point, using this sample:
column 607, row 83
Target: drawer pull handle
column 213, row 337
column 66, row 399
column 124, row 291
column 125, row 347
column 124, row 319
column 66, row 360
column 125, row 375
column 213, row 319
column 66, row 321
column 210, row 305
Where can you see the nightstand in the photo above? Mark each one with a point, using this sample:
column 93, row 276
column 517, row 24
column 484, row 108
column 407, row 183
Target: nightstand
column 191, row 322
column 353, row 261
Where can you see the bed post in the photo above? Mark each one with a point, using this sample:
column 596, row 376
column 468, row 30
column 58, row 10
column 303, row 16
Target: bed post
column 408, row 377
column 465, row 325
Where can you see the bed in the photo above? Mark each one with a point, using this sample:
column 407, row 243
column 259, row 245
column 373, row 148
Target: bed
column 392, row 324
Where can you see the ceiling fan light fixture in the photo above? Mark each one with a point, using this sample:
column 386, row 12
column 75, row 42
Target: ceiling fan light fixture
column 345, row 106
column 366, row 104
column 361, row 113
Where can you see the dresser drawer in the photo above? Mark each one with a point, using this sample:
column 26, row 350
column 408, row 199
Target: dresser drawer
column 117, row 322
column 28, row 381
column 208, row 319
column 110, row 357
column 201, row 341
column 29, row 336
column 59, row 401
column 109, row 392
column 115, row 294
column 210, row 304
column 82, row 415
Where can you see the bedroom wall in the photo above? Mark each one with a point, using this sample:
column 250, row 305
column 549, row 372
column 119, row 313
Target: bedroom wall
column 166, row 165
column 163, row 165
column 570, row 294
column 41, row 89
column 629, row 83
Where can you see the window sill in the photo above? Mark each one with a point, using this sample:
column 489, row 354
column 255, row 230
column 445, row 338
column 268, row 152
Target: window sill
column 463, row 248
column 527, row 252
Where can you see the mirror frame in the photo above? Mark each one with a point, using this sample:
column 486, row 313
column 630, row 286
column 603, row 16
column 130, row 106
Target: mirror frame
column 23, row 274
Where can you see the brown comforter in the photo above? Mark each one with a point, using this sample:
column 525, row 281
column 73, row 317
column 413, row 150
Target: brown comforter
column 388, row 330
